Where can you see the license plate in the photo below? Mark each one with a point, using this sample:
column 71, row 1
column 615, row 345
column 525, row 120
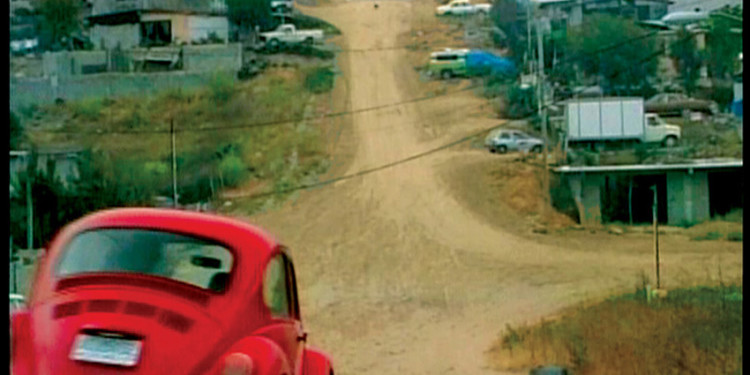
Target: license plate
column 106, row 350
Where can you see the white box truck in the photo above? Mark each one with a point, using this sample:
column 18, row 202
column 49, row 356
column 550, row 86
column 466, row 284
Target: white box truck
column 618, row 120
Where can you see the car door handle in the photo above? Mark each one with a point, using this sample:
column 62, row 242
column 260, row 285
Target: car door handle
column 302, row 336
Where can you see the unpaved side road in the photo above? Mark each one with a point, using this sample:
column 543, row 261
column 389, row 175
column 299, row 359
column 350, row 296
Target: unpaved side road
column 398, row 275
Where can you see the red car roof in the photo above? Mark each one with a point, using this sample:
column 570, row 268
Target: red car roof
column 252, row 246
column 206, row 225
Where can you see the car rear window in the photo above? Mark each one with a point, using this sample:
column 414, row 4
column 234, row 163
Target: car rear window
column 195, row 261
column 446, row 57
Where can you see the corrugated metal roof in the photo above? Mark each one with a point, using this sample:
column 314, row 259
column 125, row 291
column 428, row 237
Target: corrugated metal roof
column 704, row 5
column 696, row 164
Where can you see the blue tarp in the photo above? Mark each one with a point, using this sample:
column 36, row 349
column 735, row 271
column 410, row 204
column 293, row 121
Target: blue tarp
column 737, row 108
column 481, row 62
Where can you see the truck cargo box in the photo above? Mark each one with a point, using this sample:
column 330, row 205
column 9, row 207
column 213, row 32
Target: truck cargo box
column 600, row 119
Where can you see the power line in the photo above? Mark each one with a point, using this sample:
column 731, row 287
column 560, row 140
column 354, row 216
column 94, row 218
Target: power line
column 263, row 123
column 298, row 119
column 374, row 169
column 369, row 130
column 610, row 47
column 337, row 114
column 425, row 153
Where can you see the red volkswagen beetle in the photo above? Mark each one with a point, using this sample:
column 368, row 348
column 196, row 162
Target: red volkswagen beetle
column 152, row 291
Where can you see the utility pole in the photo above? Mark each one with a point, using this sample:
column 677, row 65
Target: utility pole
column 174, row 165
column 528, row 32
column 13, row 265
column 29, row 206
column 542, row 110
column 654, row 214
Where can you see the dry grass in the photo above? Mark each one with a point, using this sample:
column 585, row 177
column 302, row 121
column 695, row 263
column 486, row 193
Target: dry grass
column 282, row 151
column 728, row 227
column 521, row 188
column 695, row 330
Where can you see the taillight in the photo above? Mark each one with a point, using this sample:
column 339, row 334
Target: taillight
column 237, row 364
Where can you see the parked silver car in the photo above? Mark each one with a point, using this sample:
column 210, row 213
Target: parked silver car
column 514, row 140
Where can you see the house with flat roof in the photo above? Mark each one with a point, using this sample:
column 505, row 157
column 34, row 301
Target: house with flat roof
column 127, row 24
column 687, row 193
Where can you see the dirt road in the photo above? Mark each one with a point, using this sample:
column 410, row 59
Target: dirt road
column 398, row 274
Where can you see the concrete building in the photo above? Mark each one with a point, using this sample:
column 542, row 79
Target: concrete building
column 687, row 193
column 555, row 14
column 132, row 23
column 704, row 5
column 64, row 161
column 641, row 9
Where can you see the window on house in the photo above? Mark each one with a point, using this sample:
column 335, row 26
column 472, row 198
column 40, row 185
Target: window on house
column 156, row 33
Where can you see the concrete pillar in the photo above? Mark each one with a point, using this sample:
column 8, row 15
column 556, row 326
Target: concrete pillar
column 586, row 190
column 687, row 198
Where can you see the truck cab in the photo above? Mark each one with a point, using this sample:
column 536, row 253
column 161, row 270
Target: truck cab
column 658, row 131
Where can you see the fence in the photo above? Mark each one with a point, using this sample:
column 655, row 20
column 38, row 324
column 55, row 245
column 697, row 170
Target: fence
column 188, row 58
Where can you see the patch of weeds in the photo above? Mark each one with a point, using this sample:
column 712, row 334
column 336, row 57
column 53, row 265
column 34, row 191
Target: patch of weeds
column 232, row 170
column 512, row 338
column 624, row 334
column 175, row 94
column 135, row 120
column 735, row 236
column 320, row 80
column 221, row 88
column 29, row 111
column 734, row 216
column 710, row 236
column 87, row 109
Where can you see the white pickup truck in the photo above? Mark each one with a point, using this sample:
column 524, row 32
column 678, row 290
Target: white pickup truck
column 462, row 7
column 288, row 34
column 282, row 6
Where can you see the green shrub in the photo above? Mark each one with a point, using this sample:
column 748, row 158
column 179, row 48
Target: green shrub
column 735, row 236
column 232, row 170
column 319, row 80
column 493, row 88
column 136, row 119
column 710, row 236
column 87, row 109
column 221, row 88
column 521, row 101
column 28, row 111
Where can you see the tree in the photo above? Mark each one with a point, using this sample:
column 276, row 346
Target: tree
column 247, row 14
column 60, row 21
column 504, row 14
column 724, row 43
column 627, row 65
column 689, row 59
